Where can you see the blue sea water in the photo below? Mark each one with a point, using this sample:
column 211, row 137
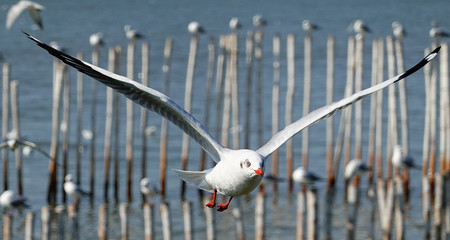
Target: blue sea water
column 70, row 23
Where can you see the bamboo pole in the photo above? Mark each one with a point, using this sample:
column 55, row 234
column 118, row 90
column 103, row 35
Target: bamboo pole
column 108, row 126
column 289, row 102
column 7, row 227
column 352, row 201
column 219, row 91
column 373, row 117
column 399, row 208
column 116, row 128
column 444, row 105
column 306, row 98
column 313, row 214
column 379, row 114
column 66, row 126
column 59, row 211
column 259, row 88
column 187, row 219
column 234, row 89
column 433, row 124
column 385, row 196
column 209, row 220
column 102, row 222
column 93, row 119
column 359, row 59
column 72, row 213
column 301, row 211
column 328, row 218
column 123, row 212
column 45, row 219
column 426, row 205
column 129, row 123
column 237, row 215
column 164, row 131
column 144, row 113
column 57, row 85
column 226, row 100
column 392, row 136
column 259, row 216
column 29, row 225
column 249, row 50
column 148, row 221
column 346, row 117
column 79, row 123
column 209, row 79
column 5, row 121
column 438, row 206
column 165, row 220
column 187, row 104
column 329, row 121
column 275, row 104
column 16, row 127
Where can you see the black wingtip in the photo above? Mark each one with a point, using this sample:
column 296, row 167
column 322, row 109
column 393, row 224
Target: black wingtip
column 422, row 63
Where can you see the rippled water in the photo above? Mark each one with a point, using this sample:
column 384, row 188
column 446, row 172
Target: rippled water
column 70, row 23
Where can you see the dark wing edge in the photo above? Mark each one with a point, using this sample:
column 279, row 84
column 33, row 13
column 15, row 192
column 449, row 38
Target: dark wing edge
column 324, row 112
column 144, row 96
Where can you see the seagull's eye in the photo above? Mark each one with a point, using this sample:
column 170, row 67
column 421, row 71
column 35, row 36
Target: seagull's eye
column 247, row 163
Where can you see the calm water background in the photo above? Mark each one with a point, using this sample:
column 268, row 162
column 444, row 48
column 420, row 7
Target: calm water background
column 70, row 23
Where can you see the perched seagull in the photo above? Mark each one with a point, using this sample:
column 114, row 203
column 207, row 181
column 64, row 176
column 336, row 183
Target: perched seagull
column 195, row 28
column 305, row 177
column 11, row 200
column 73, row 190
column 235, row 24
column 401, row 160
column 436, row 32
column 17, row 9
column 355, row 167
column 131, row 34
column 13, row 144
column 147, row 189
column 359, row 27
column 259, row 21
column 237, row 172
column 96, row 40
column 398, row 30
column 309, row 27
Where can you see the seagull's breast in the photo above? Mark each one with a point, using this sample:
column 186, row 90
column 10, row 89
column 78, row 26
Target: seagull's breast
column 230, row 180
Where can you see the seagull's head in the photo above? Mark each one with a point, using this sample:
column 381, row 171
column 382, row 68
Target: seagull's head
column 250, row 162
column 144, row 182
column 68, row 178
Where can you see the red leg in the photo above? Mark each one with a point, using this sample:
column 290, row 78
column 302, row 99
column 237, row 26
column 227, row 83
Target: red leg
column 223, row 207
column 213, row 201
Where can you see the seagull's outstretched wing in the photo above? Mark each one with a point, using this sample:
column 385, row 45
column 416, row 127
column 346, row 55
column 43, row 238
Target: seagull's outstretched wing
column 146, row 97
column 17, row 9
column 34, row 146
column 281, row 137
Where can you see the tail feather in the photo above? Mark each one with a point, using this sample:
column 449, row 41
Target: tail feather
column 195, row 178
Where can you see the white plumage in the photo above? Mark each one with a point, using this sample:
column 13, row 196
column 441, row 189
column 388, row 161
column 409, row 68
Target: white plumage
column 355, row 167
column 305, row 177
column 237, row 172
column 10, row 200
column 33, row 9
column 73, row 190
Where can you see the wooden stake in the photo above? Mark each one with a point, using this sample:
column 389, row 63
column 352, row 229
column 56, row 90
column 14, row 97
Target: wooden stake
column 289, row 102
column 249, row 48
column 144, row 113
column 379, row 114
column 66, row 126
column 129, row 123
column 259, row 216
column 5, row 122
column 29, row 225
column 330, row 96
column 306, row 98
column 16, row 127
column 103, row 222
column 148, row 221
column 79, row 124
column 7, row 227
column 45, row 219
column 259, row 87
column 123, row 212
column 165, row 220
column 301, row 210
column 399, row 209
column 313, row 214
column 426, row 209
column 209, row 220
column 237, row 215
column 116, row 128
column 163, row 140
column 93, row 116
column 392, row 136
column 373, row 117
column 275, row 104
column 187, row 219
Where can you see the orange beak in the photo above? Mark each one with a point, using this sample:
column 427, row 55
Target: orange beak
column 259, row 172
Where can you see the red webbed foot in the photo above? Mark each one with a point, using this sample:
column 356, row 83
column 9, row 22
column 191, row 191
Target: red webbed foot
column 213, row 201
column 223, row 207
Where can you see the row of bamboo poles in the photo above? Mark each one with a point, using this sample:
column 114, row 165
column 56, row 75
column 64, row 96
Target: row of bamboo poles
column 383, row 190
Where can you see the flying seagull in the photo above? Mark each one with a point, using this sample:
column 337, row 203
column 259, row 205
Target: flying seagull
column 14, row 143
column 237, row 172
column 33, row 8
